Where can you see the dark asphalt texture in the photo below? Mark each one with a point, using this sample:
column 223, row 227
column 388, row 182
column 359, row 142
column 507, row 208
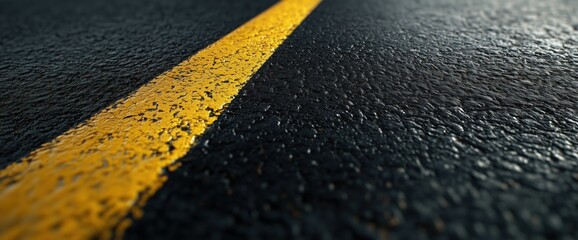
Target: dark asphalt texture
column 405, row 119
column 61, row 61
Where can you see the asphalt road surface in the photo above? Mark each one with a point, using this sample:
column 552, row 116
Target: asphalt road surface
column 375, row 119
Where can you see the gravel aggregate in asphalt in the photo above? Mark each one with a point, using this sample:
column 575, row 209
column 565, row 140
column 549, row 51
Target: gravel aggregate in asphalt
column 401, row 119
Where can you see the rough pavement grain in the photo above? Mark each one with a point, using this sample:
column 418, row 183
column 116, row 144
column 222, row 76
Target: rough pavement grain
column 403, row 119
column 62, row 60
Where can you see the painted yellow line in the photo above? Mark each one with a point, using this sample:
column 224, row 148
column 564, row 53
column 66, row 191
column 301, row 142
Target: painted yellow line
column 85, row 182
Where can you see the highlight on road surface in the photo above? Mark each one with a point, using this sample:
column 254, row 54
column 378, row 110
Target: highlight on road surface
column 85, row 183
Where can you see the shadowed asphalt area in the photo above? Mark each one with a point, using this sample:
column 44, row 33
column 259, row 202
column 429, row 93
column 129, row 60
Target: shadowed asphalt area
column 401, row 119
column 62, row 60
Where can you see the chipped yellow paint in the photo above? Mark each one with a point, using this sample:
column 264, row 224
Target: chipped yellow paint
column 86, row 181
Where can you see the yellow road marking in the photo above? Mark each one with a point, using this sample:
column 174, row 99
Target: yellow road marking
column 83, row 184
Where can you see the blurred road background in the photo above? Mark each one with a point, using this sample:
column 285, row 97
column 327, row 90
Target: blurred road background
column 375, row 119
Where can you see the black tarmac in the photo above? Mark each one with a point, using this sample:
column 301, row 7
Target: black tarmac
column 403, row 119
column 61, row 61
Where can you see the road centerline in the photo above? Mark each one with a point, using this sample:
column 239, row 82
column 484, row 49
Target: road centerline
column 84, row 182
